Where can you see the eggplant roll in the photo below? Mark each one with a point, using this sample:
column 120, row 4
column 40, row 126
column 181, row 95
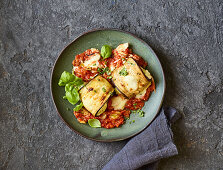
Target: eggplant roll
column 95, row 94
column 129, row 79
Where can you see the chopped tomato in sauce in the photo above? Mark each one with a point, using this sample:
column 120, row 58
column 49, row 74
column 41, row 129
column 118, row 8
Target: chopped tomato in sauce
column 134, row 104
column 108, row 119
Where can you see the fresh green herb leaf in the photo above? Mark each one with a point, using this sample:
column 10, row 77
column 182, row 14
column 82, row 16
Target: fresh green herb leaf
column 65, row 78
column 123, row 72
column 72, row 96
column 95, row 91
column 94, row 123
column 103, row 89
column 105, row 70
column 106, row 62
column 72, row 85
column 134, row 111
column 133, row 121
column 110, row 77
column 130, row 122
column 134, row 105
column 141, row 113
column 94, row 64
column 98, row 79
column 108, row 72
column 78, row 107
column 126, row 118
column 99, row 69
column 106, row 51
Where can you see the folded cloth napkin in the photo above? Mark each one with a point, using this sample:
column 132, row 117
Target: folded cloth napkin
column 146, row 149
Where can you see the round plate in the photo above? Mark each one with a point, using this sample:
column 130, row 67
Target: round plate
column 96, row 39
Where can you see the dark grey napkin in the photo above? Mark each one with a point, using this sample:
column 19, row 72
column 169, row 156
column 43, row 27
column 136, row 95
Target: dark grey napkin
column 145, row 149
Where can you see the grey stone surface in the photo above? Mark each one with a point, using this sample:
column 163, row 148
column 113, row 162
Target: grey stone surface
column 186, row 35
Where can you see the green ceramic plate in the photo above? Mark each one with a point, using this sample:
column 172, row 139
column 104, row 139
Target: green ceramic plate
column 96, row 39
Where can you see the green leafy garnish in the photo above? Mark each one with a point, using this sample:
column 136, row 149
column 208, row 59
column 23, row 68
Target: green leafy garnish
column 134, row 105
column 141, row 113
column 104, row 70
column 106, row 51
column 108, row 72
column 110, row 77
column 123, row 72
column 123, row 59
column 72, row 85
column 94, row 123
column 78, row 107
column 103, row 89
column 99, row 69
column 72, row 95
column 65, row 78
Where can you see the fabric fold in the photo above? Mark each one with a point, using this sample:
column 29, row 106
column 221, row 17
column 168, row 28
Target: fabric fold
column 148, row 147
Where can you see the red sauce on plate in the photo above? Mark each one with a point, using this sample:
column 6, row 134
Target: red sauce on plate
column 109, row 119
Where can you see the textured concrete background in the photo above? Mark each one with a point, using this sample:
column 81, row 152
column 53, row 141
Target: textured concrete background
column 186, row 35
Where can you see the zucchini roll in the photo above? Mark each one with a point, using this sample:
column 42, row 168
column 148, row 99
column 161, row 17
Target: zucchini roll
column 95, row 95
column 129, row 79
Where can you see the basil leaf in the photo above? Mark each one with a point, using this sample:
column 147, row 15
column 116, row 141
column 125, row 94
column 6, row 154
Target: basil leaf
column 94, row 123
column 78, row 107
column 72, row 95
column 72, row 84
column 106, row 51
column 65, row 78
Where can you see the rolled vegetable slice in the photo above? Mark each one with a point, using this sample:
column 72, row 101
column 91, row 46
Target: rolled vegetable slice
column 95, row 95
column 129, row 79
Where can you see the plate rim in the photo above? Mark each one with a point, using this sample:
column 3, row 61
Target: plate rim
column 107, row 29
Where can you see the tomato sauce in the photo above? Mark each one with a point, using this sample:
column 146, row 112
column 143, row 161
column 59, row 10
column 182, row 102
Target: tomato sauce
column 80, row 71
column 149, row 91
column 134, row 104
column 139, row 60
column 107, row 119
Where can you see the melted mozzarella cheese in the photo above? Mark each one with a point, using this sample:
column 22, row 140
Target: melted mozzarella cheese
column 94, row 50
column 122, row 47
column 131, row 82
column 142, row 93
column 111, row 67
column 93, row 61
column 118, row 102
column 74, row 68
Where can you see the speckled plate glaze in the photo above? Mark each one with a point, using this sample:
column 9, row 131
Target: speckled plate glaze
column 96, row 39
